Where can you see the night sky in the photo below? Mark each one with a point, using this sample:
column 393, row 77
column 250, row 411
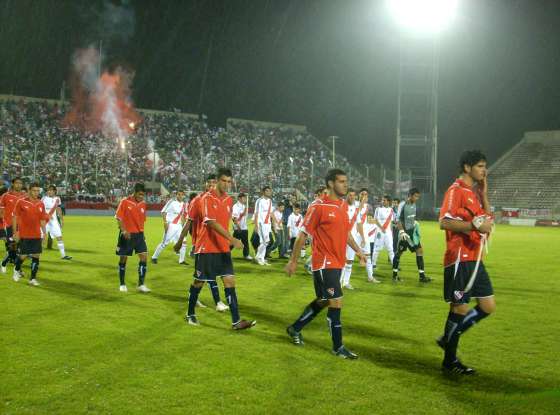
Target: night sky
column 330, row 65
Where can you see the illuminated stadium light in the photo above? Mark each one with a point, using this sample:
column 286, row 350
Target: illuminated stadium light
column 423, row 16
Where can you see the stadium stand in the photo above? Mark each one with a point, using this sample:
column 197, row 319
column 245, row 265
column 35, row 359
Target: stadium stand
column 170, row 148
column 528, row 175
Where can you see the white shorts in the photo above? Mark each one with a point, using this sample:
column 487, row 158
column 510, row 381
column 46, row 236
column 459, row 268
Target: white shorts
column 264, row 233
column 173, row 233
column 384, row 241
column 53, row 229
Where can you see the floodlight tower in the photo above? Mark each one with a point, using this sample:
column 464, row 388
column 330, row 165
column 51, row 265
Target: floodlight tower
column 421, row 22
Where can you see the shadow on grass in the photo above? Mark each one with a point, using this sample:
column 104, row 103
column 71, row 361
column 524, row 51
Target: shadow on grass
column 83, row 251
column 430, row 366
column 79, row 290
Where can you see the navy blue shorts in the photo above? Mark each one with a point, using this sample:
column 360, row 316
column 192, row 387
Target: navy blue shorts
column 135, row 244
column 2, row 233
column 30, row 246
column 456, row 278
column 210, row 266
column 327, row 283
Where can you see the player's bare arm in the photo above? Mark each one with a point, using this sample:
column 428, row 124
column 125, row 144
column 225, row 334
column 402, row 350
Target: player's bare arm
column 124, row 233
column 184, row 231
column 465, row 227
column 291, row 266
column 60, row 216
column 14, row 227
column 352, row 243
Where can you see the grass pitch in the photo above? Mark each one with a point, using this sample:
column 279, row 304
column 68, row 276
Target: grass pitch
column 78, row 345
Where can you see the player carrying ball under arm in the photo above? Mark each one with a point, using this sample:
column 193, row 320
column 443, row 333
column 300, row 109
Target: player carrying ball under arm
column 328, row 223
column 466, row 218
column 131, row 216
column 213, row 248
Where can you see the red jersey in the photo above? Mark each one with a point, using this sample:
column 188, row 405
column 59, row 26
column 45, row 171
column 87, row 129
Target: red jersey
column 8, row 202
column 219, row 209
column 194, row 213
column 328, row 223
column 29, row 214
column 132, row 214
column 461, row 203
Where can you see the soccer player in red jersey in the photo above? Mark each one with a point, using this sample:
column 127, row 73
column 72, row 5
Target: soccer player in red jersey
column 194, row 221
column 7, row 203
column 213, row 249
column 466, row 218
column 28, row 222
column 131, row 216
column 328, row 223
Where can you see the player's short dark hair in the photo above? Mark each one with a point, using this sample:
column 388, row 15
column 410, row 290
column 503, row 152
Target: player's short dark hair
column 224, row 171
column 34, row 184
column 15, row 179
column 387, row 197
column 413, row 191
column 266, row 188
column 351, row 190
column 396, row 199
column 470, row 158
column 211, row 176
column 192, row 195
column 280, row 204
column 240, row 195
column 52, row 187
column 320, row 190
column 364, row 189
column 297, row 206
column 139, row 187
column 331, row 175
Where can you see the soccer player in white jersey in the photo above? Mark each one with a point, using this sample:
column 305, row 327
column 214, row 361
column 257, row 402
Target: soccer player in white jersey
column 263, row 219
column 383, row 216
column 54, row 227
column 370, row 231
column 295, row 221
column 239, row 217
column 357, row 213
column 173, row 215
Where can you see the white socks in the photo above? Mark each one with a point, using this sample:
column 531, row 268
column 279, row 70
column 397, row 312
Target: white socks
column 369, row 268
column 158, row 251
column 182, row 253
column 347, row 272
column 61, row 248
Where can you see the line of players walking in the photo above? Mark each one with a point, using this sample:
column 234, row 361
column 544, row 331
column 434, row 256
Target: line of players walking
column 338, row 223
column 25, row 221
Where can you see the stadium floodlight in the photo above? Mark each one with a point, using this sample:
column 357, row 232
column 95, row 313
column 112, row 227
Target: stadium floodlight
column 423, row 16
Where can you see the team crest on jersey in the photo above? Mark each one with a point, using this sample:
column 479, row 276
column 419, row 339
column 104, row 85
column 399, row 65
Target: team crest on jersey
column 330, row 291
column 458, row 294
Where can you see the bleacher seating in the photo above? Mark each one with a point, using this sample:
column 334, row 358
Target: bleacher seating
column 36, row 142
column 528, row 176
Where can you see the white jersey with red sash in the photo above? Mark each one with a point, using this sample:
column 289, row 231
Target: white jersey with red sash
column 239, row 213
column 51, row 203
column 174, row 212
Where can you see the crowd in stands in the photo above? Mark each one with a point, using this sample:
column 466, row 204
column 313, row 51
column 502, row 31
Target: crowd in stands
column 170, row 148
